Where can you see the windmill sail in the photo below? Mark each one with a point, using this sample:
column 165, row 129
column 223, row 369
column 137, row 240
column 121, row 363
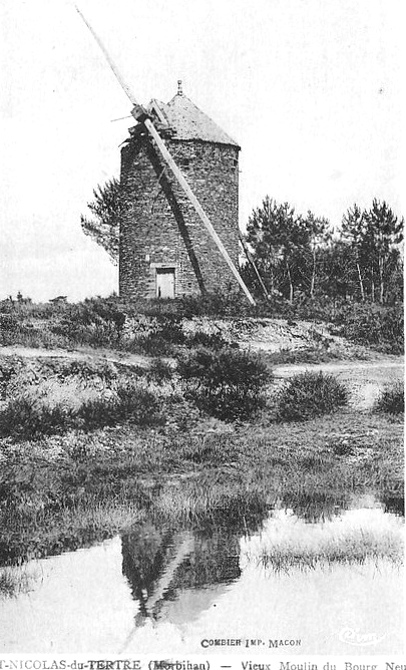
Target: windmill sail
column 141, row 116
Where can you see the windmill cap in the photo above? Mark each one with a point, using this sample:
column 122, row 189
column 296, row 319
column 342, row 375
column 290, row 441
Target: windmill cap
column 187, row 121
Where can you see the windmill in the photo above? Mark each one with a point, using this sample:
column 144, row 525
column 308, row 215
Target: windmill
column 144, row 119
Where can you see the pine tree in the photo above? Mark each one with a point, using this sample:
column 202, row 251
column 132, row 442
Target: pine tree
column 106, row 209
column 354, row 231
column 384, row 231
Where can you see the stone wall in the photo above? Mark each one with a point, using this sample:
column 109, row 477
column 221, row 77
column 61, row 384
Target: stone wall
column 160, row 226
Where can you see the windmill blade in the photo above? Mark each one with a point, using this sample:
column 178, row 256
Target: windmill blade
column 184, row 549
column 112, row 64
column 140, row 115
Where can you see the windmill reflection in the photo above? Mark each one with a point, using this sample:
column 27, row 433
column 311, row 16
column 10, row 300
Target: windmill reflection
column 170, row 572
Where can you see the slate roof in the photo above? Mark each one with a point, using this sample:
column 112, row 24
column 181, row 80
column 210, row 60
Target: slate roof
column 188, row 122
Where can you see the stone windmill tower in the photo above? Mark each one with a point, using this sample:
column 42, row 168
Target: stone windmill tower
column 179, row 172
column 164, row 249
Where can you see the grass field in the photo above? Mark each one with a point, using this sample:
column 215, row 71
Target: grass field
column 91, row 445
column 68, row 491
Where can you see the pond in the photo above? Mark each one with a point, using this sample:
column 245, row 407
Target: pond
column 332, row 579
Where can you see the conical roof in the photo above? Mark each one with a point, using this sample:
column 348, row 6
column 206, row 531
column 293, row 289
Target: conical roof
column 188, row 122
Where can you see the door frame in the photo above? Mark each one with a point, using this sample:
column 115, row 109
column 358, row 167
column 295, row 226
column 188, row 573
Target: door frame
column 168, row 267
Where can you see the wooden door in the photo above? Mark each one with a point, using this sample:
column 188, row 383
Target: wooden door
column 165, row 283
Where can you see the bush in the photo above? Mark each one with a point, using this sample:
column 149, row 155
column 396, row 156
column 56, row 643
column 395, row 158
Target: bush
column 138, row 406
column 226, row 383
column 229, row 303
column 392, row 400
column 25, row 419
column 208, row 340
column 161, row 338
column 159, row 371
column 374, row 325
column 9, row 328
column 10, row 366
column 150, row 345
column 309, row 395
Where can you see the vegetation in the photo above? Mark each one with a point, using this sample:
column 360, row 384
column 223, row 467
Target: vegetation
column 68, row 491
column 286, row 247
column 15, row 580
column 373, row 325
column 392, row 400
column 225, row 383
column 373, row 236
column 297, row 254
column 310, row 394
column 106, row 210
column 25, row 419
column 156, row 328
column 328, row 546
column 59, row 396
column 199, row 435
column 309, row 273
column 314, row 355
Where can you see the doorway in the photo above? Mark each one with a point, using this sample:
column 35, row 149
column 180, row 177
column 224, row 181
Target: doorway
column 165, row 282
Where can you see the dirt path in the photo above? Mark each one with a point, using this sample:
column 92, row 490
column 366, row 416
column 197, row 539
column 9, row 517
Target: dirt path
column 364, row 379
column 78, row 354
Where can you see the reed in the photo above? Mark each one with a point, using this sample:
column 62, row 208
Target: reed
column 290, row 543
column 17, row 579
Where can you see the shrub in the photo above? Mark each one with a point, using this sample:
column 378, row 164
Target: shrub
column 96, row 321
column 160, row 371
column 25, row 419
column 374, row 325
column 139, row 406
column 309, row 395
column 150, row 345
column 226, row 383
column 222, row 303
column 163, row 335
column 10, row 366
column 9, row 329
column 208, row 340
column 170, row 329
column 391, row 400
column 85, row 371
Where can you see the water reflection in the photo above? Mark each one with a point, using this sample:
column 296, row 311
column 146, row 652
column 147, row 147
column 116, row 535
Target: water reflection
column 159, row 563
column 178, row 576
column 168, row 588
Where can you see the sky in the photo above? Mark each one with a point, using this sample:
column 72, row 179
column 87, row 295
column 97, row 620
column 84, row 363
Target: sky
column 313, row 91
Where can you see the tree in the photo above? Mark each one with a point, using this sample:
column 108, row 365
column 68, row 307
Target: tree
column 275, row 233
column 374, row 236
column 337, row 262
column 354, row 232
column 286, row 246
column 317, row 234
column 384, row 232
column 106, row 209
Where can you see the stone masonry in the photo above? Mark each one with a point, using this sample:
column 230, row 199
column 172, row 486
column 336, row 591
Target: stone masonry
column 160, row 229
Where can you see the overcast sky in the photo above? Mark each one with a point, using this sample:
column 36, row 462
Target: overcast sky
column 311, row 89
